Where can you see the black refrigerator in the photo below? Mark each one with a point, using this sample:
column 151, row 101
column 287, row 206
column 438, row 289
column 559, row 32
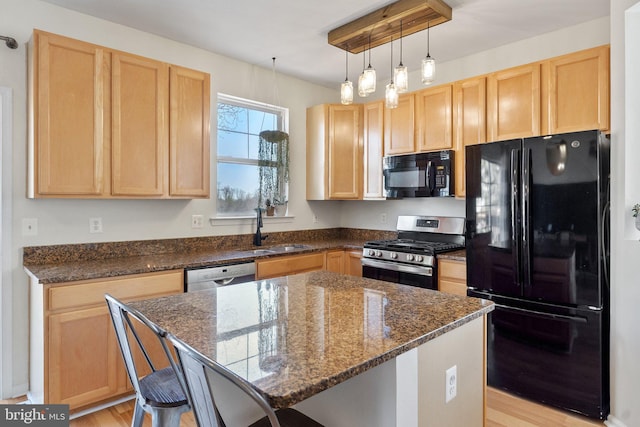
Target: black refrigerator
column 537, row 246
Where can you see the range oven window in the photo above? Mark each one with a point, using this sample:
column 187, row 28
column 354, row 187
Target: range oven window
column 401, row 277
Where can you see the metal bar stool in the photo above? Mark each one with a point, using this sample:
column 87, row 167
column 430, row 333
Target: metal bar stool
column 159, row 393
column 198, row 372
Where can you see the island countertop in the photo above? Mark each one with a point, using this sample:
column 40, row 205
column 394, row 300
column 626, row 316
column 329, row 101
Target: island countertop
column 293, row 337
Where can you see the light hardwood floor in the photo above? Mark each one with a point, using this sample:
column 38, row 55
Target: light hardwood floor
column 503, row 410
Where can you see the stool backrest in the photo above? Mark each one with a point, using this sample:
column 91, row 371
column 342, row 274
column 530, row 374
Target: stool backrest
column 129, row 339
column 199, row 374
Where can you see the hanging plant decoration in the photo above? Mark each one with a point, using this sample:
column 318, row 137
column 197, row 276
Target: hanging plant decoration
column 273, row 165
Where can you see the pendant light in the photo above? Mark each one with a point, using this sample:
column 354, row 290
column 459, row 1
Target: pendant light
column 428, row 65
column 369, row 81
column 346, row 89
column 400, row 73
column 391, row 92
column 361, row 83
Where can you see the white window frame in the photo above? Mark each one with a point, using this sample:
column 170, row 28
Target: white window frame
column 283, row 113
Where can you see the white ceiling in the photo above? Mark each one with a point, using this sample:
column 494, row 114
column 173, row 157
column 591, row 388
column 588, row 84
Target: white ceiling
column 295, row 31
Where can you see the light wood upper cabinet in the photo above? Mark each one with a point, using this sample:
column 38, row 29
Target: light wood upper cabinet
column 513, row 103
column 140, row 126
column 70, row 105
column 576, row 91
column 189, row 132
column 434, row 119
column 373, row 150
column 470, row 126
column 102, row 120
column 399, row 126
column 334, row 152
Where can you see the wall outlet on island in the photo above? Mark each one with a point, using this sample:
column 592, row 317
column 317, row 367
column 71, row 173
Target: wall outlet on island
column 451, row 383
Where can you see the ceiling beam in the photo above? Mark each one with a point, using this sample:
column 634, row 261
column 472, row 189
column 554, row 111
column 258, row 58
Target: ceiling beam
column 383, row 24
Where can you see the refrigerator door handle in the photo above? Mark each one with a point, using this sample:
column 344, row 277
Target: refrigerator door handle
column 515, row 212
column 541, row 313
column 526, row 214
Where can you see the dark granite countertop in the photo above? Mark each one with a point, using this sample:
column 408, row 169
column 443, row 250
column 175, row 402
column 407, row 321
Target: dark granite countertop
column 66, row 263
column 119, row 266
column 308, row 332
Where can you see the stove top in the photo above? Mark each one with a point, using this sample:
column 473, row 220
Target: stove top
column 419, row 240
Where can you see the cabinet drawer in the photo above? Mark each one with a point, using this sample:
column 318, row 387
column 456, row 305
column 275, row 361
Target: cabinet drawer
column 89, row 292
column 452, row 287
column 453, row 269
column 289, row 265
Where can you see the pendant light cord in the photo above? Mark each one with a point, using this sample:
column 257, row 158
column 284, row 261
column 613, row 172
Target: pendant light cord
column 428, row 28
column 400, row 43
column 391, row 59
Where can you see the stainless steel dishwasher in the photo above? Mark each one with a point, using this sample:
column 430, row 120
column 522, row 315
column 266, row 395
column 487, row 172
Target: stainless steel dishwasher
column 198, row 279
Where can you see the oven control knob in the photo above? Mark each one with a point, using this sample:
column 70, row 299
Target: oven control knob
column 394, row 255
column 378, row 254
column 371, row 252
column 419, row 258
column 409, row 257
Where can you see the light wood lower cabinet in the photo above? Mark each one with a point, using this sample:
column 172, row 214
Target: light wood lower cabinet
column 353, row 262
column 291, row 264
column 335, row 261
column 452, row 277
column 75, row 358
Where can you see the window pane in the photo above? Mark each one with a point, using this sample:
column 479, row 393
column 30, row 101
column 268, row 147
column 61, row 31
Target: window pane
column 261, row 120
column 233, row 144
column 231, row 117
column 237, row 189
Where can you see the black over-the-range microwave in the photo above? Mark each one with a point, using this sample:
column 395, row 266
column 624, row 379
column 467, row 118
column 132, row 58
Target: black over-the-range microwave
column 419, row 175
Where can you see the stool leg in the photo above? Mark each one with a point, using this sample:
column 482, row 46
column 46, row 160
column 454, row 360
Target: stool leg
column 166, row 417
column 138, row 415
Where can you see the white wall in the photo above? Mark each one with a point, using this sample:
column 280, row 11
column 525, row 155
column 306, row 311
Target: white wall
column 625, row 249
column 66, row 221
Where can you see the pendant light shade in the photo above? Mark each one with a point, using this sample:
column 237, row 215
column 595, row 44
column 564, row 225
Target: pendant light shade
column 391, row 91
column 346, row 89
column 367, row 84
column 361, row 86
column 400, row 73
column 428, row 66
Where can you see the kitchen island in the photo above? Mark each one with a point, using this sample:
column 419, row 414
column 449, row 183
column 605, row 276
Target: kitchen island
column 348, row 351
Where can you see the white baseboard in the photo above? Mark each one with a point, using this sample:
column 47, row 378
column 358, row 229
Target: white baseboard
column 613, row 422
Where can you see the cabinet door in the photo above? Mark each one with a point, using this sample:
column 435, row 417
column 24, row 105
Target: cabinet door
column 452, row 277
column 345, row 152
column 513, row 103
column 470, row 126
column 433, row 119
column 70, row 101
column 189, row 161
column 399, row 126
column 373, row 150
column 353, row 263
column 83, row 357
column 140, row 126
column 577, row 91
column 335, row 261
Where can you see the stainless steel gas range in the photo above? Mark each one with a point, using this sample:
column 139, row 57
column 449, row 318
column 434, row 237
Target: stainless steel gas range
column 411, row 258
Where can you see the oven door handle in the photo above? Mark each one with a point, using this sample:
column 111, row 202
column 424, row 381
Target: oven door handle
column 393, row 266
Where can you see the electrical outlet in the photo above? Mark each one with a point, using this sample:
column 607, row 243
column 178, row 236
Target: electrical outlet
column 197, row 221
column 383, row 218
column 451, row 383
column 95, row 225
column 315, row 218
column 30, row 226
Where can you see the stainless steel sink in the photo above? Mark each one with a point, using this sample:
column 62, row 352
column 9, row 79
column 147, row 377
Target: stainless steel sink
column 262, row 251
column 290, row 248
